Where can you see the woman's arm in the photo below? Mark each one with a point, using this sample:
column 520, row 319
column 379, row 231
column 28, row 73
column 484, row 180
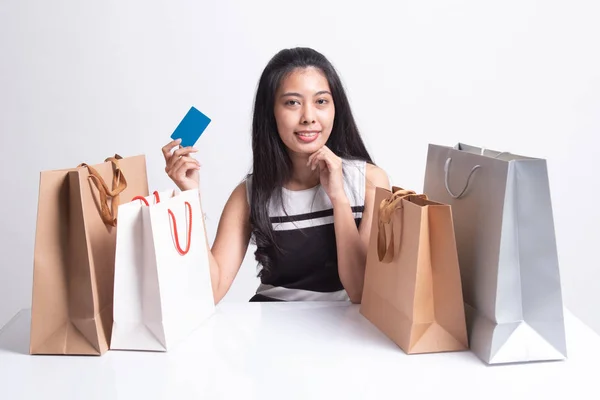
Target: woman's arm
column 352, row 243
column 233, row 232
column 231, row 242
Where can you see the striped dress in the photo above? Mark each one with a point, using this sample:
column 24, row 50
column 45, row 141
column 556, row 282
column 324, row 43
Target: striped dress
column 305, row 265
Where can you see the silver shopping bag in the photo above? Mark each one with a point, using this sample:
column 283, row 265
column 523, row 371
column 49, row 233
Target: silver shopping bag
column 507, row 253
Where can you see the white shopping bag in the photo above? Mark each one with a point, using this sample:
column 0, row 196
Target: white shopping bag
column 162, row 286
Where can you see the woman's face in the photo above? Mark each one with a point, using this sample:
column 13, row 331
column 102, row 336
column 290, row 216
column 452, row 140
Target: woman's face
column 304, row 110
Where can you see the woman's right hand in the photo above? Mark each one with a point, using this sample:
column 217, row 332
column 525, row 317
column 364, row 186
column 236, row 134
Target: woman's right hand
column 181, row 167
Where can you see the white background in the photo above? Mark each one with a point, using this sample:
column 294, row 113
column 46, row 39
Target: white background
column 80, row 81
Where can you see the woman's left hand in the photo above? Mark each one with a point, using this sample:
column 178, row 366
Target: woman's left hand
column 330, row 172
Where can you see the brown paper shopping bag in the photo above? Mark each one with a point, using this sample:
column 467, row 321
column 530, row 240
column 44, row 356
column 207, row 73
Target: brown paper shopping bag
column 412, row 290
column 74, row 254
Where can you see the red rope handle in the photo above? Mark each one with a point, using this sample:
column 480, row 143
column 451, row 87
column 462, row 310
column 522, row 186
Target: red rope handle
column 189, row 231
column 143, row 199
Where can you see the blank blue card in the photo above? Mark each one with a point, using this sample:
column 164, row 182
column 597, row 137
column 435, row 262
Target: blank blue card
column 191, row 127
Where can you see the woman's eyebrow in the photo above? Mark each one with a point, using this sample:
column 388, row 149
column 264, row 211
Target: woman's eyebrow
column 294, row 94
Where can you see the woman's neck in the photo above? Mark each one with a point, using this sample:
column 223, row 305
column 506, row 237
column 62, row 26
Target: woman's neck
column 302, row 175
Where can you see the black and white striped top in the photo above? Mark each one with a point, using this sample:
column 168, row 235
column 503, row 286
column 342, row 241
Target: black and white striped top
column 306, row 266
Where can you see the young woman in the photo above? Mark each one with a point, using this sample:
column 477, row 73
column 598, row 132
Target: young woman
column 308, row 203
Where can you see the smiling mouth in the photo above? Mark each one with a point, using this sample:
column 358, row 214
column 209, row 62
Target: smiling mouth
column 308, row 134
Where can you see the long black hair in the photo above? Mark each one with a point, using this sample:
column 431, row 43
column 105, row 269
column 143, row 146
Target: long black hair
column 272, row 166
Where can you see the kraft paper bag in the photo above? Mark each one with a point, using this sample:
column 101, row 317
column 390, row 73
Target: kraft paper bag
column 163, row 289
column 507, row 250
column 412, row 289
column 74, row 254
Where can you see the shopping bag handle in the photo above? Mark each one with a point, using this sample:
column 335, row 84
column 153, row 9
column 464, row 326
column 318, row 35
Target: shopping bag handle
column 119, row 183
column 189, row 230
column 447, row 179
column 143, row 199
column 447, row 173
column 387, row 208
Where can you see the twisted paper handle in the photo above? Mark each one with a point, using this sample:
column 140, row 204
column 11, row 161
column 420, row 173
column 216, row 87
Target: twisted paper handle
column 119, row 183
column 387, row 208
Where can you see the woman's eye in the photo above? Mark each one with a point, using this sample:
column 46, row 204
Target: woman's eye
column 321, row 101
column 292, row 102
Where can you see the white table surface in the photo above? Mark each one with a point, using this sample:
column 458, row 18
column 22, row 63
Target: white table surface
column 305, row 350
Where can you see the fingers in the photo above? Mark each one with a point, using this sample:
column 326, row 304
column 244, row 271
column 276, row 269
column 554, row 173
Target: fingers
column 322, row 165
column 324, row 158
column 183, row 151
column 166, row 150
column 314, row 156
column 180, row 153
column 179, row 169
column 315, row 159
column 323, row 151
column 185, row 160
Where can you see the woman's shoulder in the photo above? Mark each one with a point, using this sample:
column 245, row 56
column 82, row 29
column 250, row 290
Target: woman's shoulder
column 366, row 176
column 363, row 170
column 247, row 180
column 240, row 192
column 377, row 176
column 353, row 168
column 246, row 184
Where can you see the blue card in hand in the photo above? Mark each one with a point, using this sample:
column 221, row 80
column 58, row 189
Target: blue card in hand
column 191, row 127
